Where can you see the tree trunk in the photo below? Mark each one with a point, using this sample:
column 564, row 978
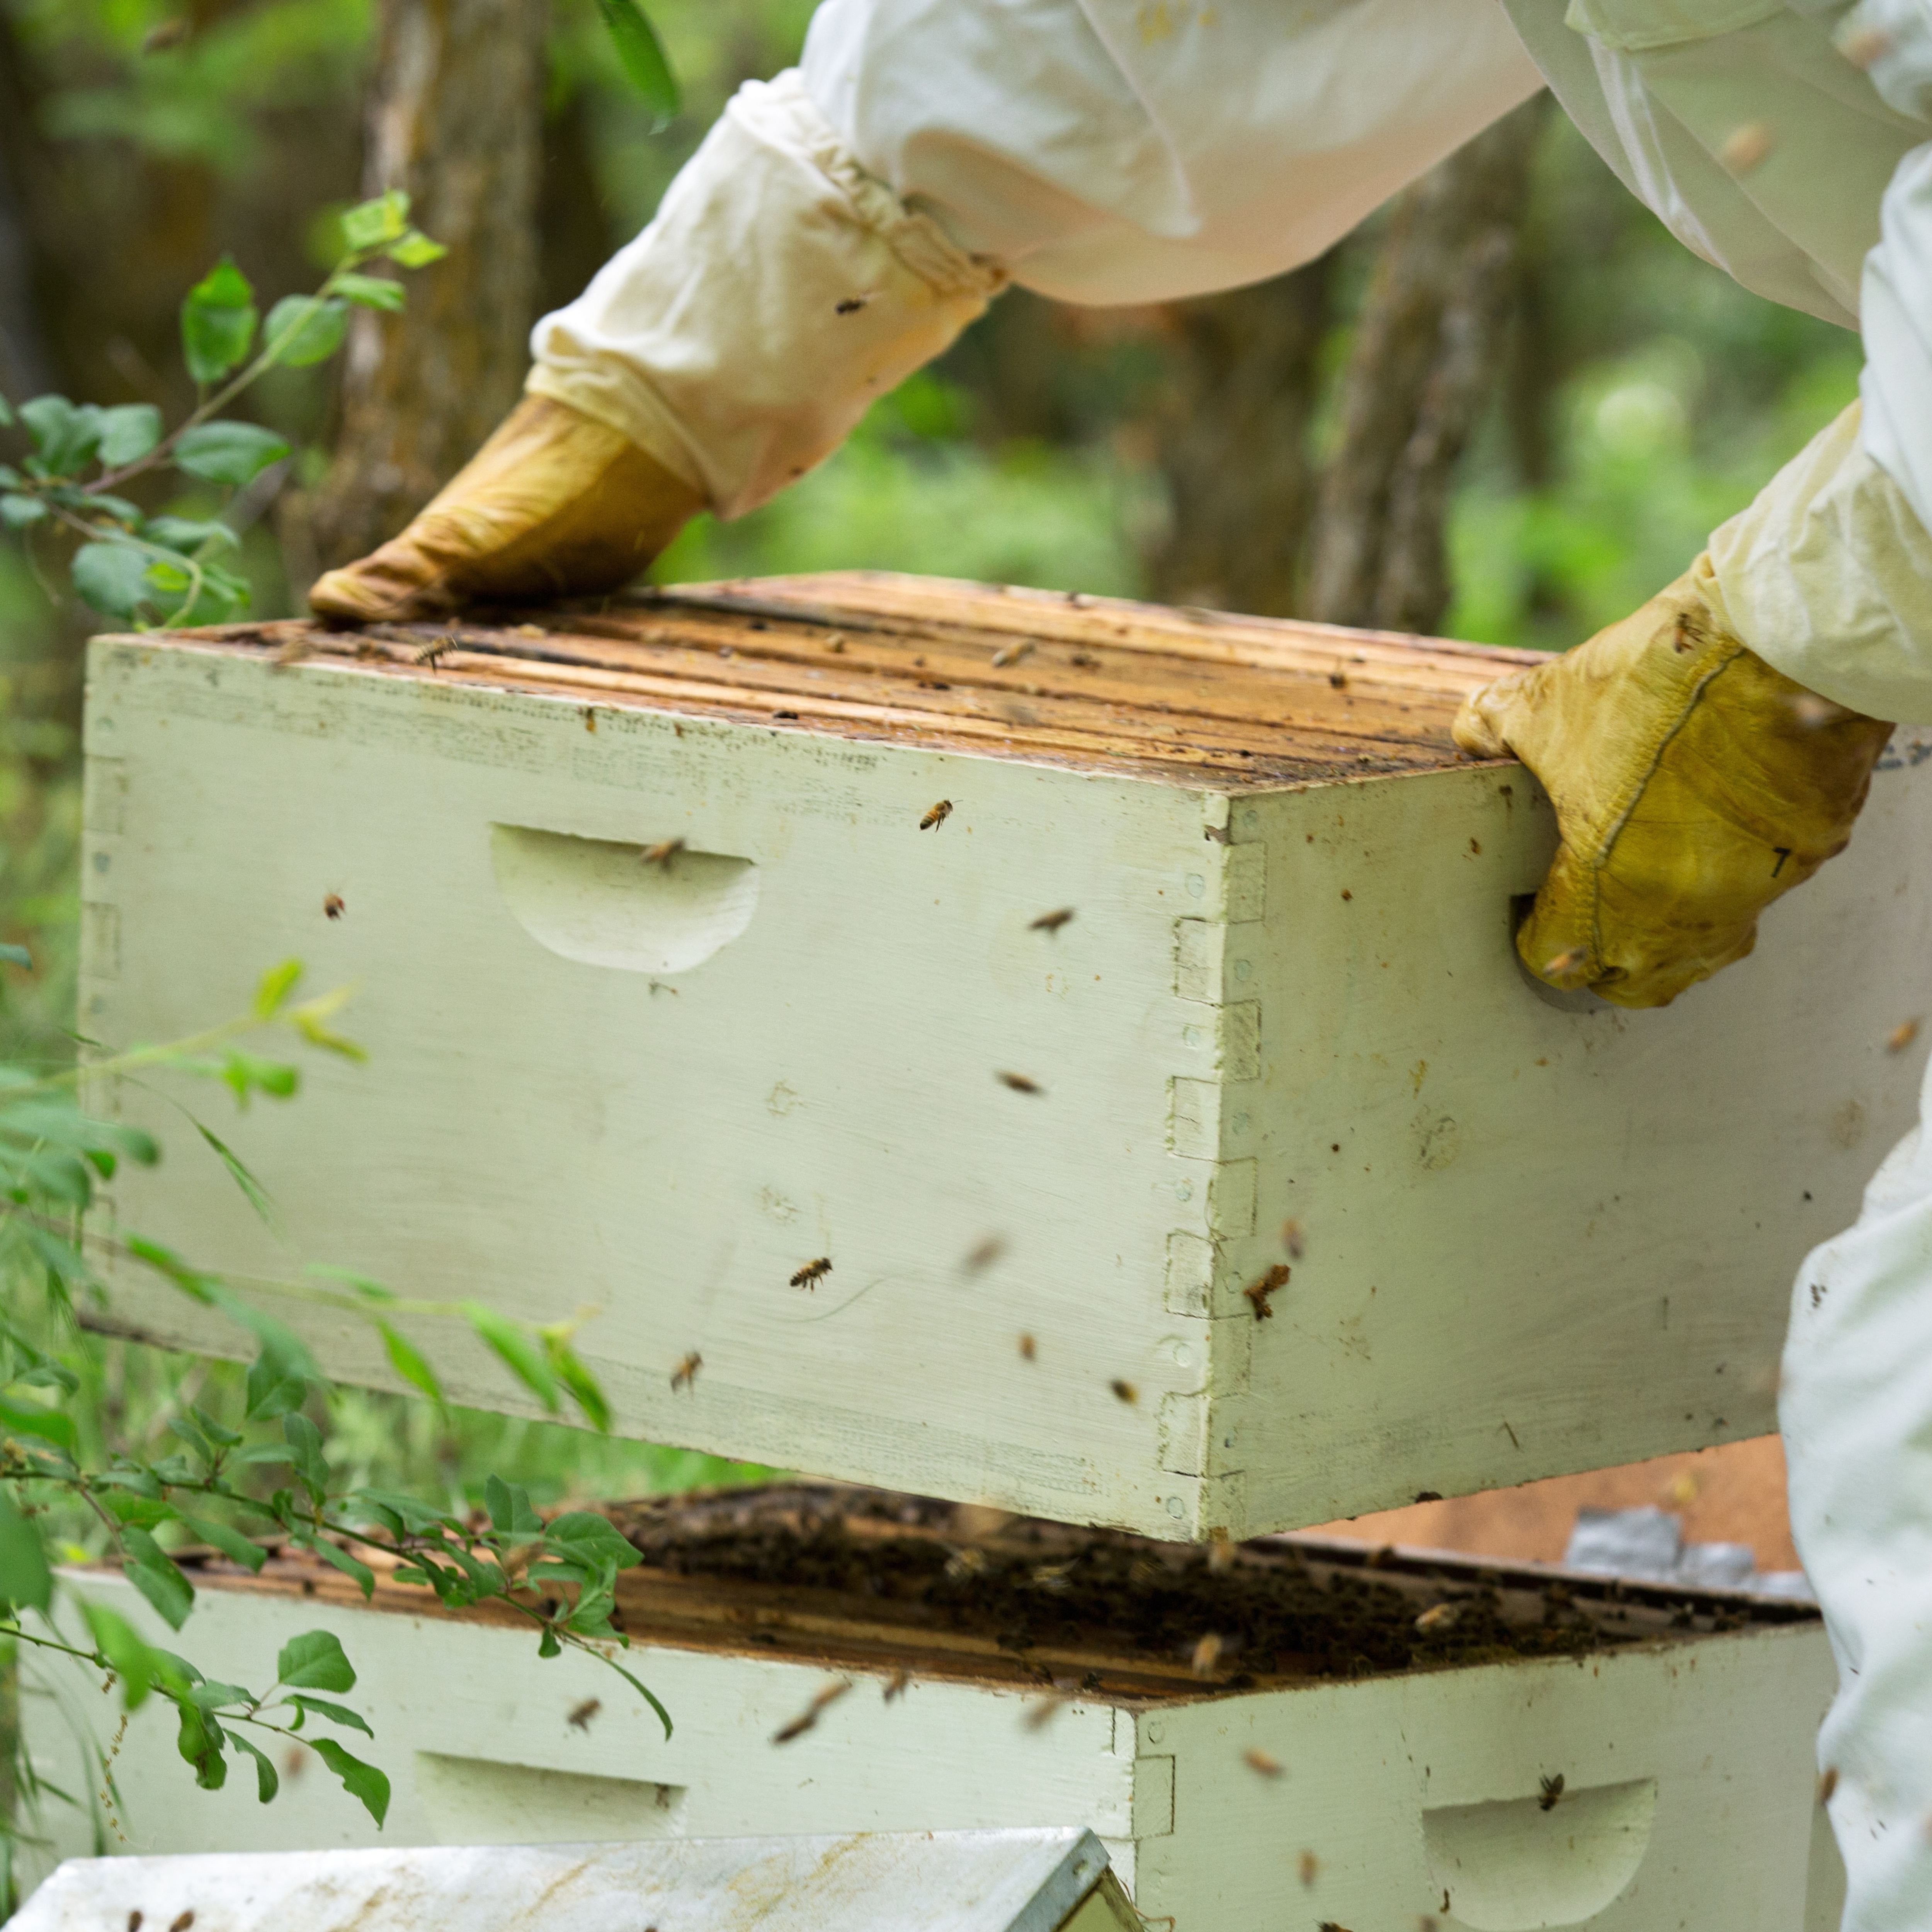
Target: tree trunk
column 1232, row 442
column 455, row 116
column 1423, row 365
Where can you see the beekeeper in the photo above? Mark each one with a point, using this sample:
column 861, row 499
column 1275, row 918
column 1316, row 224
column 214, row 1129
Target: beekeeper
column 843, row 222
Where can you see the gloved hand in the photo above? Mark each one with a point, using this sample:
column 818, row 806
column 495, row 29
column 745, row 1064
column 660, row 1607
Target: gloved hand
column 554, row 503
column 1692, row 785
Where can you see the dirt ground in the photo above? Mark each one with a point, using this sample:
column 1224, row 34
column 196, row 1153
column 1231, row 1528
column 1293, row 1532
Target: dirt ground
column 1732, row 1494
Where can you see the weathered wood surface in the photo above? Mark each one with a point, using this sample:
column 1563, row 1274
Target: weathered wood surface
column 1539, row 1236
column 1686, row 1758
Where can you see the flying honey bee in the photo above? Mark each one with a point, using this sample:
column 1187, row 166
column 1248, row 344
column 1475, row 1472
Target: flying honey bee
column 1125, row 1392
column 663, row 853
column 1010, row 654
column 1050, row 922
column 813, row 1273
column 1444, row 1617
column 580, row 1717
column 1029, row 1348
column 1308, row 1864
column 433, row 654
column 983, row 1256
column 332, row 906
column 1553, row 1790
column 1256, row 1759
column 1828, row 1783
column 808, row 1717
column 1901, row 1036
column 898, row 1684
column 1206, row 1654
column 183, row 1921
column 684, row 1375
column 1019, row 1083
column 937, row 815
column 1043, row 1710
column 1257, row 1293
column 1293, row 1239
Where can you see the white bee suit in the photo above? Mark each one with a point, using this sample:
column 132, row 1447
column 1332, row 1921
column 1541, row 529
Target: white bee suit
column 842, row 223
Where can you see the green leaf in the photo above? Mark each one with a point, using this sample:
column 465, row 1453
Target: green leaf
column 359, row 1780
column 273, row 988
column 273, row 1390
column 200, row 1742
column 189, row 534
column 120, row 1643
column 266, row 1783
column 304, row 1439
column 51, row 1425
column 246, row 1074
column 128, row 432
column 416, row 250
column 642, row 56
column 216, row 1432
column 508, row 1505
column 358, row 1573
column 419, row 1518
column 373, row 291
column 408, row 1362
column 228, row 452
column 65, row 434
column 643, row 1691
column 309, row 1024
column 303, row 329
column 585, row 1389
column 514, row 1346
column 113, row 577
column 26, row 1581
column 314, row 1661
column 20, row 513
column 336, row 1713
column 228, row 1541
column 547, row 1645
column 370, row 224
column 366, row 1286
column 237, row 1171
column 155, row 1575
column 590, row 1539
column 217, row 323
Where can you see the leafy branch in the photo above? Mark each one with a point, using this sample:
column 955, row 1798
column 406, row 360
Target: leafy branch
column 161, row 571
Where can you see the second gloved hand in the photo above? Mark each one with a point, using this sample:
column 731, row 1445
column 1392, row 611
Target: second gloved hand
column 1692, row 784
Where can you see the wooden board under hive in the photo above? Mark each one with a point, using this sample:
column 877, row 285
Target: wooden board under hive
column 1378, row 1738
column 1050, row 967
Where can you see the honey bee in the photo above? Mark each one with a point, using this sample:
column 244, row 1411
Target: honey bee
column 1028, row 1349
column 1445, row 1617
column 1050, row 922
column 1308, row 1864
column 1256, row 1759
column 1292, row 1239
column 808, row 1717
column 852, row 304
column 898, row 1684
column 1206, row 1654
column 663, row 853
column 183, row 1921
column 1866, row 47
column 684, row 1375
column 1084, row 660
column 1257, row 1293
column 813, row 1273
column 432, row 654
column 580, row 1717
column 984, row 1254
column 1019, row 1083
column 1125, row 1391
column 937, row 815
column 1745, row 148
column 332, row 906
column 1043, row 1710
column 1220, row 1550
column 1329, row 1925
column 1339, row 680
column 1828, row 1783
column 1011, row 654
column 1901, row 1036
column 1571, row 960
column 1553, row 1790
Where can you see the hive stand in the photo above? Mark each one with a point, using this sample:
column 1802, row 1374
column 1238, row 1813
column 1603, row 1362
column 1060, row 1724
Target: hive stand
column 1056, row 1053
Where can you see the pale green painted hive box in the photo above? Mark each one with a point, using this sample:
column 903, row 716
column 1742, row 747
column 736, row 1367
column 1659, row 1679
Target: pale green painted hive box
column 1051, row 968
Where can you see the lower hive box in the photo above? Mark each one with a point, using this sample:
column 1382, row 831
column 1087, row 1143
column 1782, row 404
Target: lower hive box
column 1373, row 1739
column 1052, row 1052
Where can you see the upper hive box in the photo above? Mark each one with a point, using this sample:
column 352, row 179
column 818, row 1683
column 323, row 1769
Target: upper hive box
column 1049, row 966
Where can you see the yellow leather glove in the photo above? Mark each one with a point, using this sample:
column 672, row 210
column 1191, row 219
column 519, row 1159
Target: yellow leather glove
column 554, row 503
column 1692, row 785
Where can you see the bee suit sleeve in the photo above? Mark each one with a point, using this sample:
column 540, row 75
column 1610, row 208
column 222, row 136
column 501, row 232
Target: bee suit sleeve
column 842, row 223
